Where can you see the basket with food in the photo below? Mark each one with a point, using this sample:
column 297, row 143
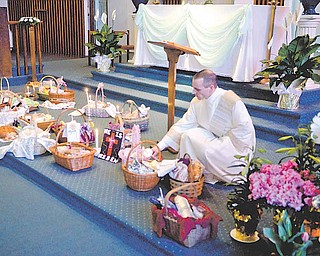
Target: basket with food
column 186, row 220
column 73, row 156
column 140, row 173
column 187, row 171
column 132, row 114
column 61, row 96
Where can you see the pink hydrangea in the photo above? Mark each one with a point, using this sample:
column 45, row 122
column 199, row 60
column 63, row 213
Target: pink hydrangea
column 281, row 185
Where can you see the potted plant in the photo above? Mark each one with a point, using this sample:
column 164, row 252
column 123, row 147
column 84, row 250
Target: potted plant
column 245, row 211
column 106, row 45
column 290, row 70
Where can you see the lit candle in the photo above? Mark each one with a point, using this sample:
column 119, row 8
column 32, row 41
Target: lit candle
column 97, row 137
column 87, row 94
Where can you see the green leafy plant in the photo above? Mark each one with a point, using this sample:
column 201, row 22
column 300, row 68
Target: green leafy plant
column 286, row 241
column 304, row 151
column 106, row 42
column 294, row 61
column 244, row 209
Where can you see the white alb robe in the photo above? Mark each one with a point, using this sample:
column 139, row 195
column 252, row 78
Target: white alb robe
column 213, row 131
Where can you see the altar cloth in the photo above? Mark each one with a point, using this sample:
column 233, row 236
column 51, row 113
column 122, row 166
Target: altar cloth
column 231, row 39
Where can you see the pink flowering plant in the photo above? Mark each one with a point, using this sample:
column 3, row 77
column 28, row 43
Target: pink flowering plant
column 282, row 185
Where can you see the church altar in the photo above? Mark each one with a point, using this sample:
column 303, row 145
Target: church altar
column 231, row 39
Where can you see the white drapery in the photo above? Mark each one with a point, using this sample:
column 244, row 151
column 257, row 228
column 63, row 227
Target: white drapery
column 223, row 35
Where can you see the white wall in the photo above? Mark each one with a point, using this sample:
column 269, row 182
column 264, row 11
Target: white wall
column 3, row 3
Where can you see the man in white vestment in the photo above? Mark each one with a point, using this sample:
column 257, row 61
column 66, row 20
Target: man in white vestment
column 216, row 127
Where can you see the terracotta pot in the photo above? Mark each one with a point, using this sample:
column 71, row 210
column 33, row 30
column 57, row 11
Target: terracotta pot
column 309, row 6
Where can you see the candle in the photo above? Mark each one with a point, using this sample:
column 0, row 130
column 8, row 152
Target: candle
column 51, row 85
column 97, row 138
column 87, row 94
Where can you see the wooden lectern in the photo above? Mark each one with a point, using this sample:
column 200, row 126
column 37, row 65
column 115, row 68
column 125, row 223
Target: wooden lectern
column 173, row 52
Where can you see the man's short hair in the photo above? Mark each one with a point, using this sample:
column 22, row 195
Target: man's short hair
column 208, row 76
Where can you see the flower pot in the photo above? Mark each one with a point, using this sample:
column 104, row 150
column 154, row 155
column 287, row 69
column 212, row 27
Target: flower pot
column 288, row 101
column 103, row 63
column 309, row 7
column 245, row 227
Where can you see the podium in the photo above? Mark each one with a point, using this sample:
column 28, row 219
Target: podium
column 173, row 52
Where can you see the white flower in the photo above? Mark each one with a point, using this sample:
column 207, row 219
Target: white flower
column 104, row 18
column 315, row 129
column 96, row 16
column 114, row 15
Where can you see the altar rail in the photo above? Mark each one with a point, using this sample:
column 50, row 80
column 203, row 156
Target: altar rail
column 21, row 46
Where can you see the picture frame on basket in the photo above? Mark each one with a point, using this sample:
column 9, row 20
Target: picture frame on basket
column 111, row 145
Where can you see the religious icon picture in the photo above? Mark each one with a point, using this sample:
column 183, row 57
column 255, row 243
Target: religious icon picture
column 111, row 145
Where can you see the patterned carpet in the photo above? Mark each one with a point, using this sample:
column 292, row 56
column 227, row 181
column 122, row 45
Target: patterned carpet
column 101, row 195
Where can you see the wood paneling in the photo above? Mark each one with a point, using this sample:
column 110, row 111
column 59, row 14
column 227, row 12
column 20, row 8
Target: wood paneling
column 62, row 29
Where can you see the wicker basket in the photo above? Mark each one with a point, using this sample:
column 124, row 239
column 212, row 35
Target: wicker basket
column 45, row 125
column 129, row 122
column 175, row 227
column 56, row 129
column 188, row 191
column 45, row 95
column 61, row 97
column 97, row 111
column 72, row 163
column 140, row 182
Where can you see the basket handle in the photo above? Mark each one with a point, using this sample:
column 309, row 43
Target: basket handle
column 4, row 78
column 140, row 143
column 67, row 110
column 131, row 104
column 100, row 88
column 10, row 94
column 172, row 191
column 52, row 78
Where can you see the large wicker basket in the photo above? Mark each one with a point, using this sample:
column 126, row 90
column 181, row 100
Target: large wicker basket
column 140, row 182
column 188, row 191
column 73, row 163
column 128, row 121
column 177, row 228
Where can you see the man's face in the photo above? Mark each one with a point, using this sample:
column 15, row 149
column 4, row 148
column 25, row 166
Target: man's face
column 200, row 91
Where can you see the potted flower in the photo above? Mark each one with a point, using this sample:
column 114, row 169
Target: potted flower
column 290, row 70
column 106, row 46
column 245, row 210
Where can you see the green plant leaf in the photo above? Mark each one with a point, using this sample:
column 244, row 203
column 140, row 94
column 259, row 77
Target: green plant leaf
column 314, row 158
column 274, row 238
column 285, row 150
column 285, row 138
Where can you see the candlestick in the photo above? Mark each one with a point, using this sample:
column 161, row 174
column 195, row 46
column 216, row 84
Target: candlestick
column 97, row 138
